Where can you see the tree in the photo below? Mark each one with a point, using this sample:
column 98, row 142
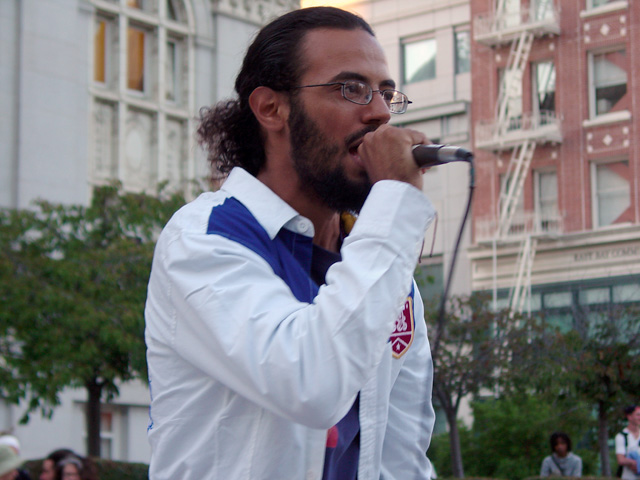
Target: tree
column 602, row 363
column 73, row 285
column 510, row 437
column 473, row 347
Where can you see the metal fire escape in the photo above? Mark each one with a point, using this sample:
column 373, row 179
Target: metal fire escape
column 513, row 130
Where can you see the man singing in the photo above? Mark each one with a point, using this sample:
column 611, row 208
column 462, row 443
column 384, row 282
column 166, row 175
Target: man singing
column 280, row 345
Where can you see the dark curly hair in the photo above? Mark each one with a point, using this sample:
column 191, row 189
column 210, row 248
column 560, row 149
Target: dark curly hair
column 555, row 436
column 228, row 131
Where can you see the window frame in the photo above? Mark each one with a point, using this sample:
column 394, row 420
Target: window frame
column 592, row 80
column 535, row 92
column 595, row 197
column 109, row 158
column 456, row 51
column 537, row 196
column 431, row 37
column 589, row 4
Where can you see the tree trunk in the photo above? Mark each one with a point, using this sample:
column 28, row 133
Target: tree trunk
column 454, row 444
column 603, row 439
column 94, row 390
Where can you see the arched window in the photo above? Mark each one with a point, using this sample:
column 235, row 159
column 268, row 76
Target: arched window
column 142, row 93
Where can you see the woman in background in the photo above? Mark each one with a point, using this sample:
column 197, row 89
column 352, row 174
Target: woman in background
column 73, row 467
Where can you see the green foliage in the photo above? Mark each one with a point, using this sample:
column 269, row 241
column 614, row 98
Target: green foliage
column 577, row 376
column 600, row 366
column 603, row 355
column 510, row 438
column 475, row 349
column 73, row 285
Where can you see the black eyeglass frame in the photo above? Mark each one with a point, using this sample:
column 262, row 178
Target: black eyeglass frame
column 406, row 102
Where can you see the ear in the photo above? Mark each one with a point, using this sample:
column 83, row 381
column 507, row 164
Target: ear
column 270, row 108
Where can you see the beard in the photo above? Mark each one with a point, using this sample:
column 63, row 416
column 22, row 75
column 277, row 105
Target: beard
column 317, row 162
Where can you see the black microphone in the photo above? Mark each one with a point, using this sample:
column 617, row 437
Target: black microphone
column 435, row 154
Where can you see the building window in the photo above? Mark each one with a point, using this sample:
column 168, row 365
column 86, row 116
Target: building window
column 463, row 51
column 100, row 52
column 136, row 58
column 546, row 205
column 542, row 10
column 430, row 280
column 544, row 88
column 419, row 60
column 612, row 193
column 608, row 82
column 505, row 185
column 599, row 3
column 626, row 293
column 519, row 219
column 511, row 13
column 510, row 82
column 106, row 434
column 104, row 47
column 142, row 93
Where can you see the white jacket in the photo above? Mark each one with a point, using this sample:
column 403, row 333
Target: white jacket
column 246, row 379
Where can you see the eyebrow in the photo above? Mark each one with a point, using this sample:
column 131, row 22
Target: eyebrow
column 342, row 76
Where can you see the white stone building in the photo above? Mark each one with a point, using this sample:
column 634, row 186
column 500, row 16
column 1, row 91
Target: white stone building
column 95, row 90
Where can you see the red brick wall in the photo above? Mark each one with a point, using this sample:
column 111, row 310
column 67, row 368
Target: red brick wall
column 581, row 145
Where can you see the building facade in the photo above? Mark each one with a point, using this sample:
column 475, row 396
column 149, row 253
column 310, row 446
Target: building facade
column 94, row 91
column 556, row 121
column 427, row 46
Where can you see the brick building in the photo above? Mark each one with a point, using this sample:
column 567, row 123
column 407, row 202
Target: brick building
column 556, row 129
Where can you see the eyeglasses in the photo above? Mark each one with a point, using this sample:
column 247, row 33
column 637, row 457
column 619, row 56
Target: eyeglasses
column 362, row 94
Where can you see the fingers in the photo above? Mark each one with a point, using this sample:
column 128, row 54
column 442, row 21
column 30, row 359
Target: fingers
column 387, row 154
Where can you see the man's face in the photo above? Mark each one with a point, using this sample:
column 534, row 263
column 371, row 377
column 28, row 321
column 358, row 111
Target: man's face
column 561, row 447
column 315, row 160
column 325, row 129
column 634, row 417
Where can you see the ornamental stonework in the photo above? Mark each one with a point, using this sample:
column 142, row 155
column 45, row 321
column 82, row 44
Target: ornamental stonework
column 257, row 11
column 608, row 139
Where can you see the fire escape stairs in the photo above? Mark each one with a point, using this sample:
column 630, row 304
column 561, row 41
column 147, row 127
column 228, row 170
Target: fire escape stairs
column 518, row 167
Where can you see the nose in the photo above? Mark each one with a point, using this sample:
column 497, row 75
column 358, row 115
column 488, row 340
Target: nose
column 377, row 111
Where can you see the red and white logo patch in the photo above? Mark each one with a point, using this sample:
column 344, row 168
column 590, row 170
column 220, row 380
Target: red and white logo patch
column 402, row 336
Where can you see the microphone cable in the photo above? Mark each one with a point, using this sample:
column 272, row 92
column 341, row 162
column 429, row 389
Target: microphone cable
column 443, row 300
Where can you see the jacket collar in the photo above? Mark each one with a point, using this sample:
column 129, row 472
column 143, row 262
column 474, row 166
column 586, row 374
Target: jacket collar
column 269, row 209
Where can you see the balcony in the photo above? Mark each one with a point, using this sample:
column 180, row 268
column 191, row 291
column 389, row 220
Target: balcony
column 523, row 224
column 496, row 29
column 543, row 127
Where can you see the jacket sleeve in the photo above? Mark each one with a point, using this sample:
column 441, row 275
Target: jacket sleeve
column 577, row 472
column 411, row 414
column 234, row 320
column 545, row 469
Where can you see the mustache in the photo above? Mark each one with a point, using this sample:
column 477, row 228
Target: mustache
column 359, row 134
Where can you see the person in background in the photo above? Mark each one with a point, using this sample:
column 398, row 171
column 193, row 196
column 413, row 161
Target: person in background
column 14, row 443
column 49, row 463
column 562, row 462
column 628, row 444
column 9, row 463
column 74, row 467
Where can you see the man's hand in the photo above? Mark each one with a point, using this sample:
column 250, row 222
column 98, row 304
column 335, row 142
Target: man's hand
column 387, row 154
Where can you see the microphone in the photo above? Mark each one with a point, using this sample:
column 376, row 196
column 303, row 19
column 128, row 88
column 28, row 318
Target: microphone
column 435, row 154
